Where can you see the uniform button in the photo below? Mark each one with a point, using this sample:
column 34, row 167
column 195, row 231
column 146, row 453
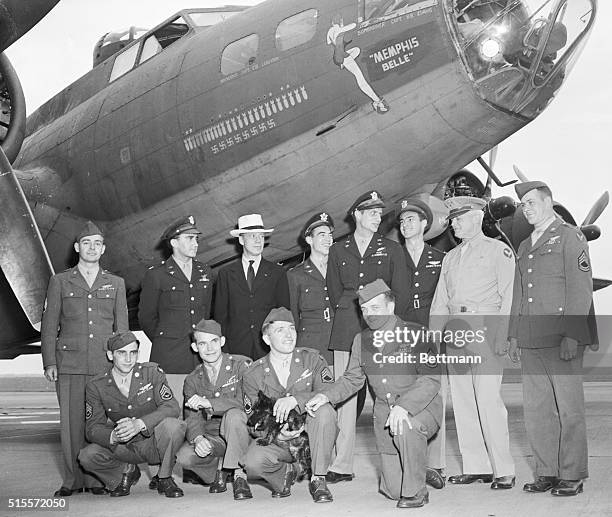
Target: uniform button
column 161, row 333
column 530, row 256
column 361, row 262
column 89, row 296
column 380, row 261
column 560, row 308
column 307, row 384
column 192, row 311
column 306, row 290
column 130, row 406
column 232, row 389
column 303, row 329
column 108, row 295
column 288, row 394
column 360, row 287
column 360, row 275
column 327, row 298
column 217, row 394
column 388, row 395
column 384, row 381
column 266, row 370
column 416, row 295
column 64, row 347
column 90, row 335
column 297, row 359
column 148, row 399
column 89, row 309
column 71, row 294
column 529, row 285
column 529, row 270
column 91, row 322
column 190, row 285
column 192, row 298
column 325, row 288
column 173, row 287
column 416, row 284
column 252, row 326
column 529, row 300
column 416, row 273
column 136, row 374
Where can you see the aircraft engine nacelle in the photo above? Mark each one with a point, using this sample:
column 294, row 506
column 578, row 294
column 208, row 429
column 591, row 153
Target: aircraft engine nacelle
column 12, row 110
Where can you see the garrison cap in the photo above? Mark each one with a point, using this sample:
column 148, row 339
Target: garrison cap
column 183, row 225
column 372, row 290
column 320, row 219
column 460, row 205
column 250, row 223
column 522, row 188
column 209, row 327
column 120, row 340
column 370, row 199
column 88, row 228
column 414, row 204
column 278, row 314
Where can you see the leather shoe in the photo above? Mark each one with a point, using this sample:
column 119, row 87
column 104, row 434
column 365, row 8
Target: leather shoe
column 541, row 484
column 503, row 482
column 567, row 487
column 319, row 491
column 154, row 482
column 466, row 479
column 335, row 477
column 421, row 499
column 189, row 476
column 97, row 490
column 219, row 484
column 168, row 487
column 128, row 480
column 290, row 476
column 67, row 492
column 241, row 489
column 434, row 478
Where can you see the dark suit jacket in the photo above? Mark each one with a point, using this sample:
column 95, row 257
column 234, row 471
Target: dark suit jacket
column 241, row 312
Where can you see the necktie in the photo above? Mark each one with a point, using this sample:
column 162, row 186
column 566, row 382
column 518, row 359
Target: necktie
column 250, row 275
column 213, row 374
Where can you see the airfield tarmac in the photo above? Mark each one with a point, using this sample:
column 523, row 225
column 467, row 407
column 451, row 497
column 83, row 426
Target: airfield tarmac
column 30, row 454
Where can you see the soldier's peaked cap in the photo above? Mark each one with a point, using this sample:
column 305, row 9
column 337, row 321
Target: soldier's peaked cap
column 372, row 290
column 413, row 204
column 460, row 205
column 370, row 199
column 185, row 224
column 208, row 327
column 88, row 229
column 319, row 219
column 278, row 314
column 522, row 188
column 120, row 340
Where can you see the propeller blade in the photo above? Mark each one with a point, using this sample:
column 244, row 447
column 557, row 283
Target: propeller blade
column 597, row 209
column 591, row 231
column 519, row 174
column 487, row 191
column 492, row 157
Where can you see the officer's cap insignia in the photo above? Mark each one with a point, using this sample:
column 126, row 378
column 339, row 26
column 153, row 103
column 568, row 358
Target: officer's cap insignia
column 165, row 393
column 326, row 375
column 191, row 220
column 374, row 195
column 404, row 203
column 88, row 411
column 507, row 252
column 248, row 405
column 324, row 217
column 583, row 262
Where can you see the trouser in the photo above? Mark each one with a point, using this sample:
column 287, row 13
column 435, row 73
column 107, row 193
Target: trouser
column 481, row 419
column 553, row 403
column 159, row 448
column 234, row 430
column 175, row 382
column 205, row 467
column 436, row 448
column 403, row 465
column 347, row 418
column 269, row 461
column 70, row 389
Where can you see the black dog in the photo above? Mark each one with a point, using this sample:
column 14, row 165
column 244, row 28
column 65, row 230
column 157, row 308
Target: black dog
column 263, row 421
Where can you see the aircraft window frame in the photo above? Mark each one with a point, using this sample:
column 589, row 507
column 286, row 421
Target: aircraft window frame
column 236, row 63
column 144, row 57
column 294, row 38
column 124, row 62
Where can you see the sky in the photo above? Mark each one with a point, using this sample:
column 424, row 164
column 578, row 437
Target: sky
column 568, row 146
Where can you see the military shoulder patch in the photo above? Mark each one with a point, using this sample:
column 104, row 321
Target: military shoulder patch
column 248, row 405
column 583, row 262
column 326, row 375
column 165, row 392
column 507, row 253
column 88, row 411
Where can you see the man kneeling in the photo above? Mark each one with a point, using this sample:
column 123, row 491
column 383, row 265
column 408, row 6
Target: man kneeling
column 408, row 409
column 131, row 417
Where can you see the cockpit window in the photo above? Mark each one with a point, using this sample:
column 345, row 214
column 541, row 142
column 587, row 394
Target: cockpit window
column 124, row 62
column 240, row 54
column 296, row 30
column 151, row 47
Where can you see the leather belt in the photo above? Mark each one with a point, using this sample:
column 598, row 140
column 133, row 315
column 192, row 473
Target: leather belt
column 455, row 309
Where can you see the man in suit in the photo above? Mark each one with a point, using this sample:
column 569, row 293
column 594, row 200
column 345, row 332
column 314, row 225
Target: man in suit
column 553, row 292
column 310, row 302
column 85, row 306
column 407, row 409
column 354, row 262
column 175, row 295
column 424, row 265
column 248, row 289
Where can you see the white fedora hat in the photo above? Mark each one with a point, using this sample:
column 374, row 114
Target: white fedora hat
column 250, row 223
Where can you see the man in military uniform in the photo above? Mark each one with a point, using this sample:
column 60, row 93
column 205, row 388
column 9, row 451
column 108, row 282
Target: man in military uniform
column 354, row 262
column 211, row 391
column 475, row 288
column 175, row 295
column 310, row 302
column 407, row 409
column 85, row 306
column 246, row 290
column 424, row 265
column 290, row 375
column 553, row 293
column 131, row 417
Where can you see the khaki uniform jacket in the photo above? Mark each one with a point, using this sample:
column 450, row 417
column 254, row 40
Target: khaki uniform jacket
column 311, row 308
column 224, row 394
column 150, row 399
column 78, row 320
column 170, row 307
column 348, row 271
column 553, row 288
column 309, row 374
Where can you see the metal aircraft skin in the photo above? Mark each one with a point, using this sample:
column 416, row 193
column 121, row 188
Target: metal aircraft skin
column 282, row 109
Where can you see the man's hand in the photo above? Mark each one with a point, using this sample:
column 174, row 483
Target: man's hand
column 51, row 373
column 196, row 402
column 282, row 408
column 285, row 435
column 501, row 347
column 568, row 349
column 514, row 352
column 395, row 421
column 315, row 403
column 127, row 428
column 202, row 446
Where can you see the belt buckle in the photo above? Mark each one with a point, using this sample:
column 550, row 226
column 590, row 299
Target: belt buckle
column 463, row 308
column 416, row 303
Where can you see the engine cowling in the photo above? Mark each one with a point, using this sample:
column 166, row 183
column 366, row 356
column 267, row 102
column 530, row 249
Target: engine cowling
column 12, row 110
